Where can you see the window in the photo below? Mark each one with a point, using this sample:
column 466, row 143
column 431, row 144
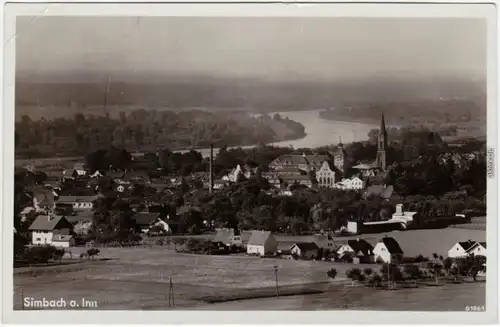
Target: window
column 38, row 239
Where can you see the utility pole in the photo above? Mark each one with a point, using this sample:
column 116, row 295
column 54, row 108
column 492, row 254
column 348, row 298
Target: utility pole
column 211, row 169
column 22, row 298
column 277, row 287
column 389, row 276
column 171, row 301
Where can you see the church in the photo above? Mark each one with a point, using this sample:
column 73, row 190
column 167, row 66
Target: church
column 380, row 163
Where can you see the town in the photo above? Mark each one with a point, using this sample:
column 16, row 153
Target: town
column 351, row 209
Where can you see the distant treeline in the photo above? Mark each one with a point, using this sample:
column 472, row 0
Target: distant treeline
column 149, row 129
column 450, row 111
column 173, row 92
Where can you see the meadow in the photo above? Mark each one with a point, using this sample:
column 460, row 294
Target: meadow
column 138, row 278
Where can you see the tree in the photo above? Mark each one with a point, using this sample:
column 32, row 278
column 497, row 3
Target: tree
column 436, row 269
column 91, row 253
column 447, row 264
column 375, row 280
column 353, row 274
column 413, row 271
column 332, row 273
column 58, row 254
column 391, row 273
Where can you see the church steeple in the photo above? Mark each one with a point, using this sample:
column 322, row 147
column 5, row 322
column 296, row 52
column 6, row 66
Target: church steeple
column 382, row 145
column 382, row 136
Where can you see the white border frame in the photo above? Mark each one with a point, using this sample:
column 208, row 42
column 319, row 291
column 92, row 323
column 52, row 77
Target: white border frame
column 362, row 8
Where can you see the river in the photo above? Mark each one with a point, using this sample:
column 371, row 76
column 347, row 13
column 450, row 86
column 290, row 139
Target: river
column 319, row 132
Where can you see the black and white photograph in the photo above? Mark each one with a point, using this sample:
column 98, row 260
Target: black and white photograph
column 251, row 163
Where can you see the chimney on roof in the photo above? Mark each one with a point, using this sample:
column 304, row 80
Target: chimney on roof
column 50, row 215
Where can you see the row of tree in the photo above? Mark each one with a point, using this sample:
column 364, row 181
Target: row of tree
column 149, row 129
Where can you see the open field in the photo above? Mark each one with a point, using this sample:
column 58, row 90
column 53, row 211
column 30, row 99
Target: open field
column 449, row 297
column 137, row 278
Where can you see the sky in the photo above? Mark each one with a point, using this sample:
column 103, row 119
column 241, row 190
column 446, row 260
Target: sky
column 275, row 48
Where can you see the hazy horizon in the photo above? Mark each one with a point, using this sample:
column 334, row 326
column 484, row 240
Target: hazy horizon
column 126, row 48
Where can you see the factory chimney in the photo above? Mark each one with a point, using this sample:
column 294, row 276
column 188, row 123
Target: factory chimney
column 211, row 169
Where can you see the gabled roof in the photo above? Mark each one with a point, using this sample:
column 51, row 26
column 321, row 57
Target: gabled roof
column 360, row 245
column 43, row 223
column 259, row 237
column 297, row 159
column 44, row 197
column 306, row 246
column 392, row 245
column 145, row 218
column 483, row 244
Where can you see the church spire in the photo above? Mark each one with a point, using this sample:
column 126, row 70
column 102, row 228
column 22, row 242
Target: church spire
column 382, row 125
column 382, row 145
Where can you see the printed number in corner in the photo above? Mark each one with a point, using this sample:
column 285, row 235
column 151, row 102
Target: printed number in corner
column 490, row 163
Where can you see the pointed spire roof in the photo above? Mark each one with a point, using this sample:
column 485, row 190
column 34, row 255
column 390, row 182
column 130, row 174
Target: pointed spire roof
column 382, row 124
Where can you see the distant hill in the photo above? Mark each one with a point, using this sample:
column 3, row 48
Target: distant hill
column 249, row 94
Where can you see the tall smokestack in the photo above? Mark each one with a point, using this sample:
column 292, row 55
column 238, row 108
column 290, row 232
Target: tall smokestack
column 211, row 169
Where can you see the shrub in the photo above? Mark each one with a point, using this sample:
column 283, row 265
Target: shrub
column 368, row 271
column 332, row 273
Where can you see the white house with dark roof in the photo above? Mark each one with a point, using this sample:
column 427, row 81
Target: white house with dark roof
column 388, row 250
column 358, row 249
column 44, row 228
column 262, row 243
column 463, row 249
column 147, row 220
column 305, row 250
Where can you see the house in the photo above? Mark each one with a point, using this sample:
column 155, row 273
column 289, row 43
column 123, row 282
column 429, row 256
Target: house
column 79, row 170
column 120, row 188
column 324, row 241
column 367, row 169
column 360, row 250
column 63, row 241
column 305, row 250
column 463, row 249
column 325, row 175
column 96, row 174
column 353, row 183
column 262, row 243
column 45, row 227
column 43, row 200
column 388, row 250
column 478, row 249
column 228, row 237
column 81, row 202
column 146, row 220
column 234, row 175
column 302, row 162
